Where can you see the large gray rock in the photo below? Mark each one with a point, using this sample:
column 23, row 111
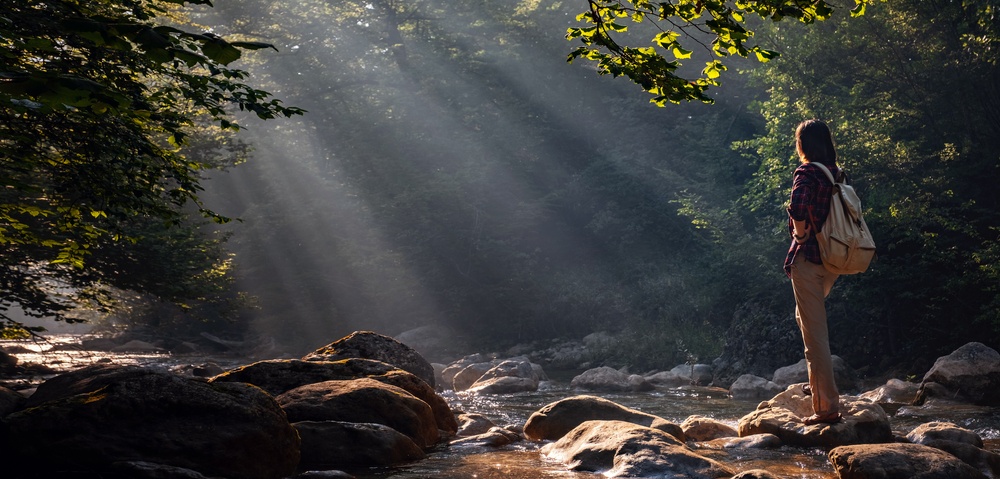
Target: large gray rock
column 668, row 379
column 371, row 345
column 494, row 437
column 337, row 444
column 863, row 421
column 605, row 379
column 939, row 430
column 701, row 428
column 971, row 374
column 504, row 385
column 697, row 374
column 899, row 461
column 452, row 369
column 278, row 376
column 749, row 387
column 362, row 401
column 554, row 420
column 465, row 377
column 984, row 461
column 844, row 376
column 471, row 424
column 892, row 395
column 623, row 449
column 507, row 377
column 90, row 419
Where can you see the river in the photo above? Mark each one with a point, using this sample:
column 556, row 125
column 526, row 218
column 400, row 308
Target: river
column 522, row 460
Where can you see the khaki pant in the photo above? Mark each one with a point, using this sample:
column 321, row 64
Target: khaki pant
column 812, row 283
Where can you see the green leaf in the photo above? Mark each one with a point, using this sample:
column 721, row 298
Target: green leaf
column 253, row 45
column 681, row 53
column 220, row 52
column 666, row 39
column 859, row 8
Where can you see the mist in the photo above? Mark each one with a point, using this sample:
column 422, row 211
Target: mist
column 453, row 170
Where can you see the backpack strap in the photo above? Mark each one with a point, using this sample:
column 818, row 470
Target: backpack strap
column 829, row 175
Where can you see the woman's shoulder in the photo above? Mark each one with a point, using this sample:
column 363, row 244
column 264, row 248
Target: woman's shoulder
column 814, row 171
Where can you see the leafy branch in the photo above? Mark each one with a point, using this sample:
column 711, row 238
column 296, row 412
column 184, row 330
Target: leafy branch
column 655, row 66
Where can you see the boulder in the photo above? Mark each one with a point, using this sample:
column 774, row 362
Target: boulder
column 504, row 385
column 10, row 401
column 863, row 421
column 517, row 367
column 363, row 401
column 971, row 374
column 605, row 379
column 893, row 395
column 668, row 379
column 938, row 430
column 510, row 376
column 984, row 461
column 468, row 375
column 697, row 374
column 449, row 371
column 898, row 461
column 471, row 424
column 203, row 370
column 554, row 420
column 750, row 387
column 338, row 444
column 278, row 376
column 845, row 377
column 753, row 441
column 701, row 428
column 370, row 345
column 623, row 449
column 91, row 418
column 494, row 437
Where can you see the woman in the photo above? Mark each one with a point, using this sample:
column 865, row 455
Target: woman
column 811, row 282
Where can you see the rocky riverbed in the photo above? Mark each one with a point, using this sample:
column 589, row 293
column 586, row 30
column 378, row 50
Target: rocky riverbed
column 369, row 406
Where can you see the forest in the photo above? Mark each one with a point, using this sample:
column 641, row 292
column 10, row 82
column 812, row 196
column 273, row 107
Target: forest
column 298, row 170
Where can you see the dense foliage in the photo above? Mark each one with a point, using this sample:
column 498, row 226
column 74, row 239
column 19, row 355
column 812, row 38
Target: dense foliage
column 663, row 30
column 96, row 100
column 913, row 100
column 454, row 171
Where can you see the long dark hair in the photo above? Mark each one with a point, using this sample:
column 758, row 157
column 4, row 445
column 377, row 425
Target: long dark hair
column 814, row 142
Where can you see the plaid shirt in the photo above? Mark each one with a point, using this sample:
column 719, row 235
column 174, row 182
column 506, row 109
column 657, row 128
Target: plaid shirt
column 811, row 191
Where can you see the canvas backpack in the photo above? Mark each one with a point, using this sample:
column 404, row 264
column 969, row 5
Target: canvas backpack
column 845, row 243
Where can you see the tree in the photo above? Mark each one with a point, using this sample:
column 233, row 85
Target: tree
column 899, row 87
column 97, row 100
column 668, row 30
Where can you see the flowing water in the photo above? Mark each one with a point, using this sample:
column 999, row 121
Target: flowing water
column 522, row 460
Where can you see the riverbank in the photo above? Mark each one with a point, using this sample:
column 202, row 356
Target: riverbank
column 522, row 459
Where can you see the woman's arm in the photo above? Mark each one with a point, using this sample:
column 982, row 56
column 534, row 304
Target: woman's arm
column 798, row 208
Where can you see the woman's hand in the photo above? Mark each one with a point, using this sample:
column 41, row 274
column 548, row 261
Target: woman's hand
column 801, row 231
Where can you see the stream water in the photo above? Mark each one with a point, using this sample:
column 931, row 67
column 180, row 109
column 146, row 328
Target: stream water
column 522, row 460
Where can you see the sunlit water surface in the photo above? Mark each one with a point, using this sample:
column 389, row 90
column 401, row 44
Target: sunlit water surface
column 522, row 460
